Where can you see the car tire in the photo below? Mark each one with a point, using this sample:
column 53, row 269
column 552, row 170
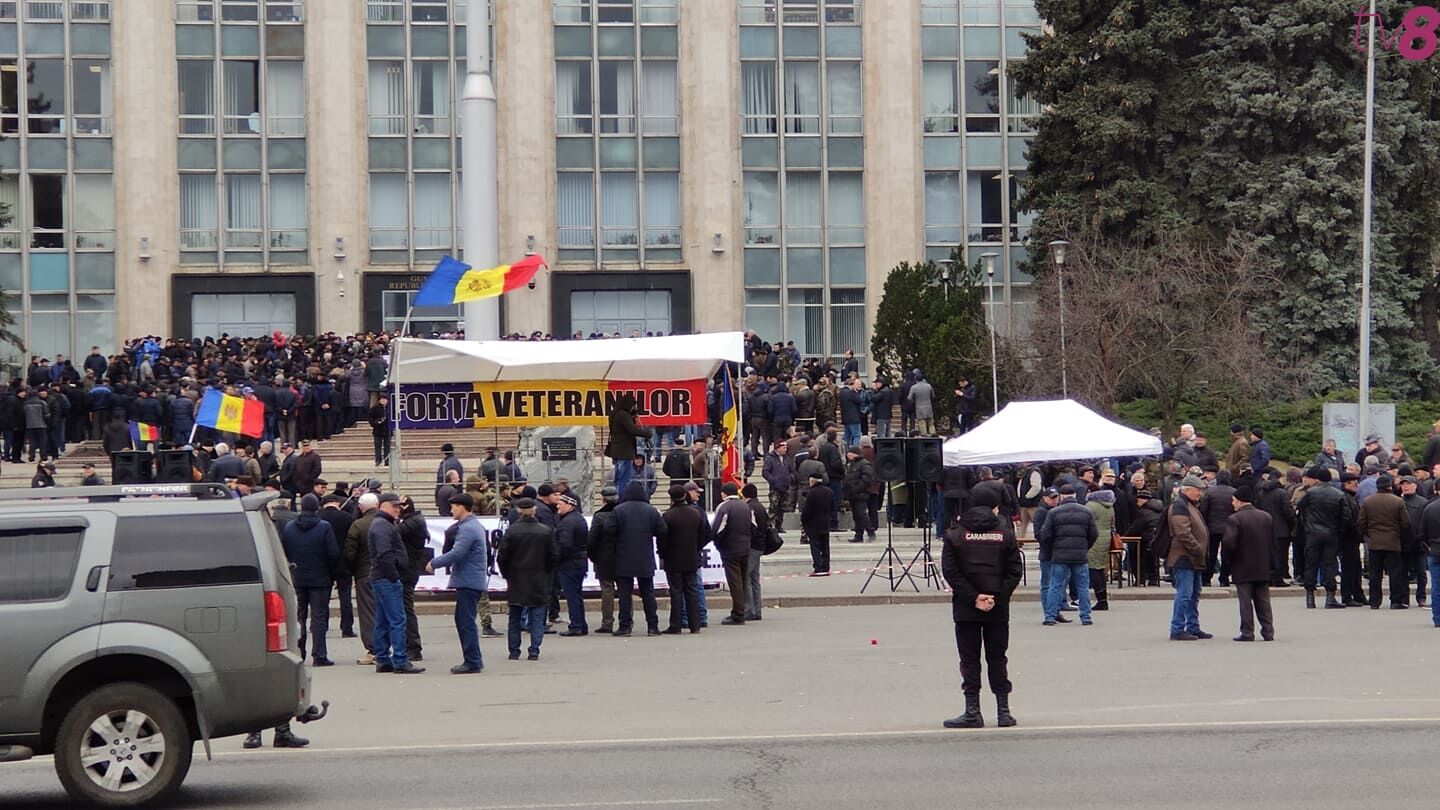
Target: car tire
column 143, row 756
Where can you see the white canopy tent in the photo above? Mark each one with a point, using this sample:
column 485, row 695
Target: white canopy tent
column 1054, row 430
column 677, row 357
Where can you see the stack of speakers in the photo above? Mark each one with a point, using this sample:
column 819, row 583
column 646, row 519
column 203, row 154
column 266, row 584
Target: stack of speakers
column 911, row 460
column 144, row 467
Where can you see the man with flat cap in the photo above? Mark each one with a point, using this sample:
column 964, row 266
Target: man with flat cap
column 527, row 557
column 815, row 509
column 1249, row 538
column 1322, row 515
column 1189, row 547
column 571, row 536
column 469, row 564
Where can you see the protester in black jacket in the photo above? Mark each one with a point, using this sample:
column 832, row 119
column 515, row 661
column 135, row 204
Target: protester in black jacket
column 640, row 528
column 527, row 557
column 1271, row 498
column 416, row 536
column 1323, row 515
column 815, row 511
column 600, row 548
column 388, row 566
column 571, row 535
column 685, row 536
column 1065, row 539
column 314, row 556
column 981, row 561
column 1149, row 512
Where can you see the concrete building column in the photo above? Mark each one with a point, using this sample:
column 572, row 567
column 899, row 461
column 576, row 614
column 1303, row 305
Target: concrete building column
column 710, row 178
column 147, row 193
column 337, row 159
column 894, row 169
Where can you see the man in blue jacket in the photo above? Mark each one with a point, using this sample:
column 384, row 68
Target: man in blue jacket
column 468, row 562
column 388, row 562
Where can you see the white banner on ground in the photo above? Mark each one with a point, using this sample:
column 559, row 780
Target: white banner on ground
column 712, row 571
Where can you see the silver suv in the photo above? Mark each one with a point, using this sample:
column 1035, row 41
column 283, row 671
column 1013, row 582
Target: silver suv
column 139, row 619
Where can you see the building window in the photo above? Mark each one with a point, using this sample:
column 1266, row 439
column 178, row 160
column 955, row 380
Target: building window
column 976, row 136
column 57, row 189
column 415, row 76
column 617, row 125
column 242, row 146
column 803, row 187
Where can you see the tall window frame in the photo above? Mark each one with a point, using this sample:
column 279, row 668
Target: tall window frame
column 617, row 132
column 415, row 75
column 803, row 185
column 242, row 150
column 57, row 242
column 976, row 133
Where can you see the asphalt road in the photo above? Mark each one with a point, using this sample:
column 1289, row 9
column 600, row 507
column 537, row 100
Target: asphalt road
column 1270, row 766
column 840, row 707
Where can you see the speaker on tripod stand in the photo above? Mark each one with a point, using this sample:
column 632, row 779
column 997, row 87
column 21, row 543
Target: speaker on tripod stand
column 925, row 465
column 890, row 467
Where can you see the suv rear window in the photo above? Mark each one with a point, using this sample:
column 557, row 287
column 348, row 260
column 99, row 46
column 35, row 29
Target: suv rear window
column 182, row 552
column 38, row 565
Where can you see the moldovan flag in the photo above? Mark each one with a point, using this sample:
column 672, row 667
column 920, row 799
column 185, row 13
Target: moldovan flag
column 141, row 433
column 454, row 282
column 729, row 424
column 229, row 414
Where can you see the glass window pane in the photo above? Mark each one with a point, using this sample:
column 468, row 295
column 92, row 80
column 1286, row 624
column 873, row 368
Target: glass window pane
column 847, row 153
column 44, row 38
column 432, row 153
column 9, row 39
column 47, row 196
column 842, row 41
column 662, row 209
column 45, row 94
column 284, row 40
column 805, row 266
column 47, row 153
column 387, row 153
column 389, row 211
column 982, row 42
column 982, row 150
column 239, row 40
column 846, row 212
column 94, row 202
column 762, row 266
column 433, row 211
column 195, row 153
column 91, row 40
column 575, row 208
column 804, row 207
column 577, row 153
column 847, row 265
column 92, row 103
column 383, row 41
column 659, row 41
column 938, row 43
column 95, row 271
column 801, row 41
column 662, row 153
column 942, row 153
column 12, row 277
column 49, row 272
column 287, row 154
column 617, row 153
column 429, row 42
column 802, row 152
column 618, row 41
column 757, row 43
column 764, row 320
column 759, row 153
column 572, row 40
column 242, row 153
column 194, row 40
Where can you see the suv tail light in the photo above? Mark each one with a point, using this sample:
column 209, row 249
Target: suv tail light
column 276, row 635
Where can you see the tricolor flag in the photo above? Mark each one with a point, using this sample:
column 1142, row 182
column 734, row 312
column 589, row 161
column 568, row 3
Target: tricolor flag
column 229, row 414
column 141, row 433
column 729, row 424
column 455, row 282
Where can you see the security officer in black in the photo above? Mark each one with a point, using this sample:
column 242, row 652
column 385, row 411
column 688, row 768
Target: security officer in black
column 981, row 561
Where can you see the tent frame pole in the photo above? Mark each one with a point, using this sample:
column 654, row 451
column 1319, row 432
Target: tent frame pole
column 397, row 467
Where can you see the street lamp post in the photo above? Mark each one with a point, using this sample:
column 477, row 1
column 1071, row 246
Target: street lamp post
column 946, row 265
column 1057, row 254
column 989, row 261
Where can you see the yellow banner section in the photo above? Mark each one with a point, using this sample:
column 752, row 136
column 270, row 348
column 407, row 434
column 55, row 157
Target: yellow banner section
column 539, row 404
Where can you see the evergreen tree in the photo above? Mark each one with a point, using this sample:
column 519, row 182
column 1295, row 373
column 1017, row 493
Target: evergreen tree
column 1223, row 118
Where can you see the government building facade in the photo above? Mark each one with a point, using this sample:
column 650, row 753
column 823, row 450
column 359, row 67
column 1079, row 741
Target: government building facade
column 199, row 167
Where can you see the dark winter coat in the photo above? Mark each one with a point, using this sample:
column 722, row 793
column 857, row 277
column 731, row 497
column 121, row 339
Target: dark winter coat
column 357, row 546
column 1273, row 500
column 1189, row 536
column 640, row 527
column 1384, row 521
column 571, row 536
column 782, row 407
column 624, row 430
column 685, row 536
column 307, row 471
column 849, row 406
column 859, row 475
column 415, row 534
column 312, row 550
column 388, row 559
column 981, row 556
column 1248, row 539
column 600, row 545
column 777, row 472
column 734, row 523
column 815, row 511
column 1216, row 506
column 1147, row 520
column 1068, row 534
column 1324, row 513
column 527, row 557
column 1429, row 529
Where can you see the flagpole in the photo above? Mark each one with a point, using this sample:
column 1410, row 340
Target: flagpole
column 480, row 185
column 1363, row 420
column 396, row 462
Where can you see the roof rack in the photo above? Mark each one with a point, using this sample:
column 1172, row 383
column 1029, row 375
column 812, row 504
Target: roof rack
column 201, row 491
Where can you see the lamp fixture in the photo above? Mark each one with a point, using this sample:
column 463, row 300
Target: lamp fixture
column 340, row 276
column 530, row 246
column 339, row 248
column 144, row 249
column 719, row 245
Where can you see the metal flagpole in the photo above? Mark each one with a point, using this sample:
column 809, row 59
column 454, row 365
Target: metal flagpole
column 396, row 468
column 1363, row 420
column 479, row 186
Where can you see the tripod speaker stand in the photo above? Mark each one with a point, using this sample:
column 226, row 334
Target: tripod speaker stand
column 892, row 460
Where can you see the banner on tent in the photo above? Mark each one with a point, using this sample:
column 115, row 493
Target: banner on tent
column 712, row 571
column 541, row 403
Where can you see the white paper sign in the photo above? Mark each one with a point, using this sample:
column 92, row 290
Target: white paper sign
column 712, row 571
column 1342, row 423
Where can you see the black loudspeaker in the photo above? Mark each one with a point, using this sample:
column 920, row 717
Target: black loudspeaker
column 890, row 459
column 173, row 467
column 923, row 461
column 131, row 467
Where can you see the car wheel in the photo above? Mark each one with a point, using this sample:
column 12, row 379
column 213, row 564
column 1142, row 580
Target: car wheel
column 123, row 745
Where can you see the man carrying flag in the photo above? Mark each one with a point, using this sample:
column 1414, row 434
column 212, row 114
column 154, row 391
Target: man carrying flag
column 729, row 426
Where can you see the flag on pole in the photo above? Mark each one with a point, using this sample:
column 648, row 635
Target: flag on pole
column 229, row 414
column 729, row 425
column 141, row 433
column 455, row 282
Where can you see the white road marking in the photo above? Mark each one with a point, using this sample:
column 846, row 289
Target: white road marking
column 635, row 803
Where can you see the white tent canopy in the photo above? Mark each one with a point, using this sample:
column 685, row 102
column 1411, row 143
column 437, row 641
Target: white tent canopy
column 677, row 357
column 1055, row 430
